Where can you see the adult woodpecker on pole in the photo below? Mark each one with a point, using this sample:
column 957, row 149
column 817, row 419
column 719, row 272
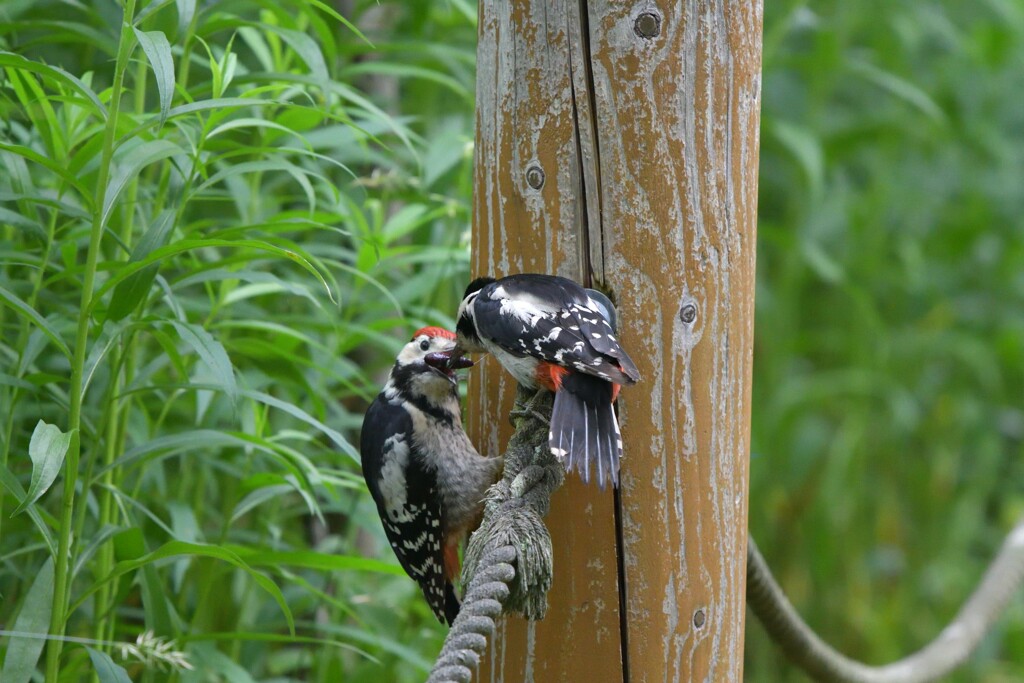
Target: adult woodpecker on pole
column 422, row 471
column 550, row 332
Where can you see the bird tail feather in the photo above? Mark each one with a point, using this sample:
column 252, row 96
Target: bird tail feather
column 584, row 431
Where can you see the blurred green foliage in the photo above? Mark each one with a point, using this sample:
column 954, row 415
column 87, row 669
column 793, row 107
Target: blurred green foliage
column 888, row 411
column 293, row 198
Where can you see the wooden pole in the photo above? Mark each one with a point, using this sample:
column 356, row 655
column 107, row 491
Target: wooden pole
column 617, row 144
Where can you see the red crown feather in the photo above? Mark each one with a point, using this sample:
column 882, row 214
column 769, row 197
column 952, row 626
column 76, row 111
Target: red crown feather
column 434, row 331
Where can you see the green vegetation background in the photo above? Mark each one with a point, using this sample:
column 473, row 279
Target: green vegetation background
column 223, row 265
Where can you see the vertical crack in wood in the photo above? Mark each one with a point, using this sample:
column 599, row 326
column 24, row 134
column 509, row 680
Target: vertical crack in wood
column 620, row 556
column 591, row 228
column 586, row 265
column 587, row 146
column 595, row 221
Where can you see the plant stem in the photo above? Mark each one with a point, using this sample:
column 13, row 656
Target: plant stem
column 104, row 612
column 23, row 332
column 58, row 616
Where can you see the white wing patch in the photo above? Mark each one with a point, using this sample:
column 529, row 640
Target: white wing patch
column 522, row 310
column 525, row 307
column 392, row 479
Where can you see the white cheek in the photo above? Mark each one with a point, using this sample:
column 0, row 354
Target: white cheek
column 410, row 353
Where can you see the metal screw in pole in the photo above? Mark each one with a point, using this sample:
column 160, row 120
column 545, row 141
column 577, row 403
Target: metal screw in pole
column 688, row 313
column 535, row 177
column 647, row 25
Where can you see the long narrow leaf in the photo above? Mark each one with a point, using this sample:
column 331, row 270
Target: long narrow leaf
column 293, row 410
column 14, row 487
column 213, row 354
column 130, row 292
column 106, row 669
column 46, row 162
column 137, row 159
column 54, row 73
column 186, row 11
column 158, row 51
column 309, row 559
column 34, row 618
column 26, row 311
column 182, row 246
column 182, row 549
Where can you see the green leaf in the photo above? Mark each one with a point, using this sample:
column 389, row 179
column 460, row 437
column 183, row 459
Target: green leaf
column 137, row 159
column 13, row 486
column 107, row 670
column 27, row 311
column 293, row 410
column 19, row 221
column 58, row 169
column 348, row 24
column 307, row 50
column 218, row 666
column 805, row 148
column 183, row 549
column 181, row 246
column 219, row 104
column 307, row 559
column 827, row 268
column 901, row 89
column 156, row 603
column 186, row 11
column 158, row 51
column 47, row 449
column 12, row 381
column 56, row 74
column 132, row 290
column 129, row 544
column 261, row 495
column 380, row 68
column 184, row 442
column 212, row 353
column 34, row 617
column 263, row 166
column 98, row 352
column 248, row 122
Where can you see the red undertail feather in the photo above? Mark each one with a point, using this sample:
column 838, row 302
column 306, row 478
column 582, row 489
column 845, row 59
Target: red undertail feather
column 452, row 565
column 550, row 375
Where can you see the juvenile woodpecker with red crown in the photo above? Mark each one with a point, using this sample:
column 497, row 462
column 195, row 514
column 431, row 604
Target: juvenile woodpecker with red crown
column 424, row 475
column 550, row 332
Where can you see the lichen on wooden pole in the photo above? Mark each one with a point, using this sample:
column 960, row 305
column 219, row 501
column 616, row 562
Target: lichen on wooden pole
column 617, row 144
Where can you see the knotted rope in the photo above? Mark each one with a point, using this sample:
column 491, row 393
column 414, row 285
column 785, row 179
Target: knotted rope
column 508, row 563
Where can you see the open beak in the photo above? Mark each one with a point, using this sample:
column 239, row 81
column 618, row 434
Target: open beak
column 446, row 362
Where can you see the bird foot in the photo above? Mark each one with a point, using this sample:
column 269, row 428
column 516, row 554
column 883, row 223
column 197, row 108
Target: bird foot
column 526, row 409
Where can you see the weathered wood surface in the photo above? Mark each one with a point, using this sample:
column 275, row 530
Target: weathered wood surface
column 648, row 149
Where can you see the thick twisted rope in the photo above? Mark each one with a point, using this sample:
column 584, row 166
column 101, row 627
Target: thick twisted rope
column 950, row 649
column 508, row 563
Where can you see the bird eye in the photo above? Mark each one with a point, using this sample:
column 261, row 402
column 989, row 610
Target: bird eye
column 425, row 344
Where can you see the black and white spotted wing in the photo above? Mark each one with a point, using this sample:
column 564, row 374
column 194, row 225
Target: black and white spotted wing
column 552, row 318
column 405, row 491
